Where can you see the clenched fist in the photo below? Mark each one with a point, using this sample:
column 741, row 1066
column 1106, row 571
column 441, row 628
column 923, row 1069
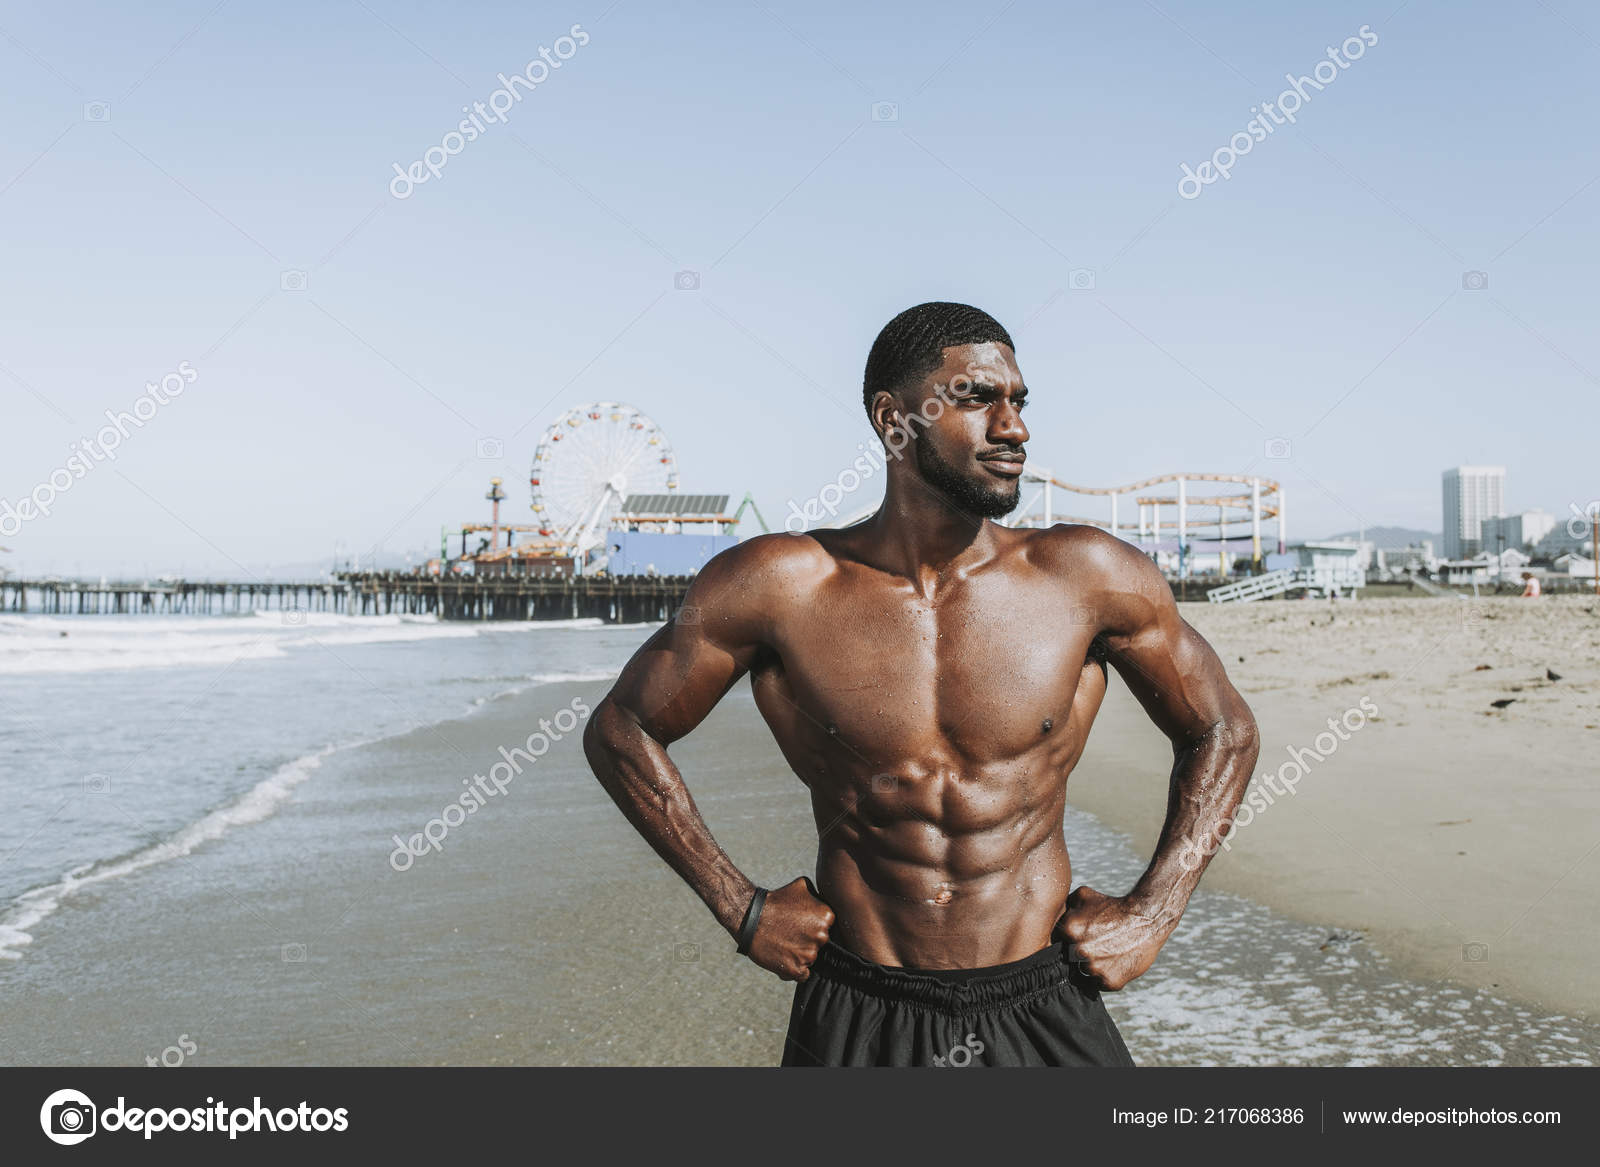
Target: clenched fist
column 793, row 928
column 1109, row 939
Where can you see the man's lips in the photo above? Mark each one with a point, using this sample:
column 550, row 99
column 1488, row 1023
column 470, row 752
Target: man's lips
column 1005, row 465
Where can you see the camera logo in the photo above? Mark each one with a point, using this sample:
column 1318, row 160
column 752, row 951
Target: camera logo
column 292, row 280
column 1475, row 953
column 67, row 1117
column 96, row 111
column 1277, row 449
column 491, row 448
column 686, row 281
column 885, row 111
column 686, row 953
column 1081, row 279
column 1474, row 281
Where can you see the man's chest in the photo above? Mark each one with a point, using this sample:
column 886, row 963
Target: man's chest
column 988, row 666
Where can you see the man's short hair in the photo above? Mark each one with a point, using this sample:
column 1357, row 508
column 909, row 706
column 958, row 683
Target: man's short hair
column 912, row 344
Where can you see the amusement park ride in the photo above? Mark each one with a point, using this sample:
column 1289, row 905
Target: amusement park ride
column 608, row 466
column 598, row 467
column 1261, row 500
column 1181, row 544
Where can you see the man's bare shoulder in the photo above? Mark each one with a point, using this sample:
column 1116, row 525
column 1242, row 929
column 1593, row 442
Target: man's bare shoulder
column 760, row 572
column 1090, row 556
column 1120, row 584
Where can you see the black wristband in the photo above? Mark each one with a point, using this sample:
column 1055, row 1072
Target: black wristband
column 752, row 917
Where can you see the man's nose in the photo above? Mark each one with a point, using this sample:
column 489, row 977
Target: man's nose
column 1006, row 426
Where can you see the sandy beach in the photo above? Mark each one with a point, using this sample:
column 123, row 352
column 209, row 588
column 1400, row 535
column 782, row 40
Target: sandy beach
column 1460, row 838
column 543, row 931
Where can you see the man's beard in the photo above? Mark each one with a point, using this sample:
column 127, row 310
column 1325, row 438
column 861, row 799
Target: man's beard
column 975, row 498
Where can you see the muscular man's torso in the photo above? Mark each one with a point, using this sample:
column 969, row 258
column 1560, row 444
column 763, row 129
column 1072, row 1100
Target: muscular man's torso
column 936, row 737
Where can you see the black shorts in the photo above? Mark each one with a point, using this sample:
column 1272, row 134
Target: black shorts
column 1038, row 1011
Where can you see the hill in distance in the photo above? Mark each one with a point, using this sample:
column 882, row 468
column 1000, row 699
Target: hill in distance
column 1392, row 538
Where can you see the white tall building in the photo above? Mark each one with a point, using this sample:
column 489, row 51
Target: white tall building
column 1471, row 494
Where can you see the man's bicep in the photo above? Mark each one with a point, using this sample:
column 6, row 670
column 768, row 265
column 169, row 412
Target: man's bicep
column 1175, row 675
column 677, row 677
column 1168, row 665
column 679, row 674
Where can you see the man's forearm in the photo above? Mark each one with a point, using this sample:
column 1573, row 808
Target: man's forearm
column 646, row 786
column 1209, row 777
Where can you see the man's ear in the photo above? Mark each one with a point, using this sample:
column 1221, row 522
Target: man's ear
column 885, row 412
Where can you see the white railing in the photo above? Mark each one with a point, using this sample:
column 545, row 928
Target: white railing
column 1275, row 583
column 1258, row 587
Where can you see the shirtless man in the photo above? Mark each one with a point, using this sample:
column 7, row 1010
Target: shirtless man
column 931, row 677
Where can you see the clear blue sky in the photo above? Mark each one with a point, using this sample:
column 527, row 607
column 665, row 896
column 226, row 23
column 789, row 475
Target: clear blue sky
column 1315, row 295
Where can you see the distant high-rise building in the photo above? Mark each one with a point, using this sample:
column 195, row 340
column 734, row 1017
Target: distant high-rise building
column 1471, row 494
column 1516, row 530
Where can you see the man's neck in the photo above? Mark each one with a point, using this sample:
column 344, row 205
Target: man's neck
column 919, row 533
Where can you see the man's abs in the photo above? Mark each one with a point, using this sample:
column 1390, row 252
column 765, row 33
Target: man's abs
column 936, row 901
column 931, row 858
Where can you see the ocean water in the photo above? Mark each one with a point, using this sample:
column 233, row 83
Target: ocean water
column 129, row 741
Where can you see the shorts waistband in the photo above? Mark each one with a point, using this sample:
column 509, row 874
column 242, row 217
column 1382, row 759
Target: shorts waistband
column 945, row 990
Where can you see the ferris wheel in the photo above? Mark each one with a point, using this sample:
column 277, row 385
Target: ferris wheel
column 588, row 462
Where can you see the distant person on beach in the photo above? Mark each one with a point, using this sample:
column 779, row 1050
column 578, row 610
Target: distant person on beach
column 931, row 676
column 1530, row 585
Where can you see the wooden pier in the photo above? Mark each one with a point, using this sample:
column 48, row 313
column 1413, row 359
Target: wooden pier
column 630, row 599
column 57, row 597
column 619, row 600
